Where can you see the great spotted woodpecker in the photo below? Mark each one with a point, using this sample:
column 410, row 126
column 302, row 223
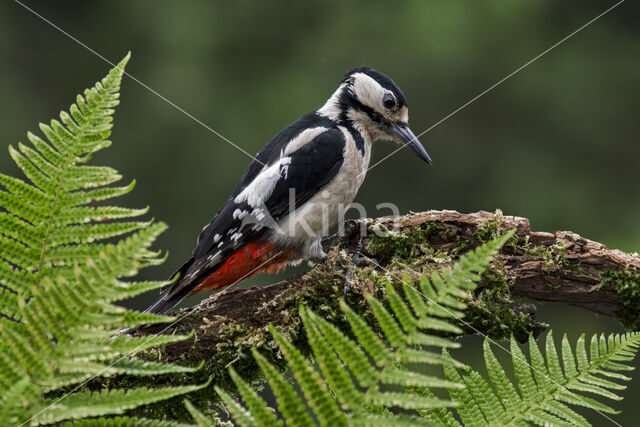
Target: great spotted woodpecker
column 295, row 187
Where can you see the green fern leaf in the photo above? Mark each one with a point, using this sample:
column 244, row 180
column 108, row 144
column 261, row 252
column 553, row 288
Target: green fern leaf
column 311, row 384
column 198, row 417
column 263, row 415
column 563, row 411
column 469, row 411
column 348, row 351
column 438, row 416
column 387, row 420
column 91, row 404
column 552, row 360
column 406, row 401
column 289, row 403
column 123, row 365
column 377, row 364
column 526, row 383
column 568, row 360
column 542, row 418
column 62, row 265
column 241, row 416
column 335, row 373
column 546, row 400
column 365, row 336
column 123, row 422
column 415, row 379
column 506, row 392
column 387, row 323
column 486, row 398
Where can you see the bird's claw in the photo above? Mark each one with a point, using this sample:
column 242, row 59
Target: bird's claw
column 356, row 259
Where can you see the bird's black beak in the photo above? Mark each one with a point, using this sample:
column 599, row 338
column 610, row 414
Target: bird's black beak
column 402, row 131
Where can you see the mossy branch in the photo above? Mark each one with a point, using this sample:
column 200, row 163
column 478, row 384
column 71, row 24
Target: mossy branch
column 560, row 267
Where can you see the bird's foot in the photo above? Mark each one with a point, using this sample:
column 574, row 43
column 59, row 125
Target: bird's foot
column 356, row 259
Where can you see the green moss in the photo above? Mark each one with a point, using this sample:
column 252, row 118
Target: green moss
column 627, row 286
column 554, row 256
column 496, row 282
column 410, row 252
column 493, row 311
column 490, row 229
column 554, row 261
column 493, row 228
column 461, row 246
column 385, row 244
column 406, row 246
column 500, row 320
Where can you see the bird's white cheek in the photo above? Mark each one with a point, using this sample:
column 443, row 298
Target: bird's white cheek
column 377, row 133
column 402, row 115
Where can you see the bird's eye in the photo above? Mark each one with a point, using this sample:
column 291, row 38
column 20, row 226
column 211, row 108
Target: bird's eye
column 389, row 102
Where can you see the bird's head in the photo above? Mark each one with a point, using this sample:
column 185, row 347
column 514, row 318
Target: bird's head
column 373, row 104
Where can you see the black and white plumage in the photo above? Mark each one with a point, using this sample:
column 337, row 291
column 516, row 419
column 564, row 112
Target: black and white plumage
column 296, row 187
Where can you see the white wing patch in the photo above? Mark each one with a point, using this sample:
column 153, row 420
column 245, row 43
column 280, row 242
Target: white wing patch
column 239, row 214
column 262, row 186
column 212, row 259
column 302, row 139
column 260, row 189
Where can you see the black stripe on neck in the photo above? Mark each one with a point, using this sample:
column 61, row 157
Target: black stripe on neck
column 349, row 102
column 357, row 137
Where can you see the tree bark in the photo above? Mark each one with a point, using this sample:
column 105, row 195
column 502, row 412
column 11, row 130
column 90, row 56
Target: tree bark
column 558, row 267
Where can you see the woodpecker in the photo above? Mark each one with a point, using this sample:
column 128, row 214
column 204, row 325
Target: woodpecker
column 296, row 186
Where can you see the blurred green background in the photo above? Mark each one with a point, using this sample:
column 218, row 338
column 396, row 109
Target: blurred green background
column 556, row 143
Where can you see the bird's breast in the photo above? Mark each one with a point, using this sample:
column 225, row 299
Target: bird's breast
column 320, row 213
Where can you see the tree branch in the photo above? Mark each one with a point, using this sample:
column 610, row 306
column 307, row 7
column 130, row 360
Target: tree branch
column 559, row 267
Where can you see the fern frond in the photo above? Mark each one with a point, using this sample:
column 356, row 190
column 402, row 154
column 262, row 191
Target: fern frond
column 258, row 408
column 123, row 422
column 469, row 412
column 240, row 415
column 310, row 382
column 335, row 372
column 91, row 404
column 360, row 377
column 388, row 420
column 198, row 417
column 289, row 402
column 437, row 416
column 348, row 351
column 123, row 365
column 62, row 265
column 545, row 388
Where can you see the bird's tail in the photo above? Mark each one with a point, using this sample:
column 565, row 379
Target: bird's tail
column 162, row 305
column 249, row 259
column 165, row 303
column 168, row 300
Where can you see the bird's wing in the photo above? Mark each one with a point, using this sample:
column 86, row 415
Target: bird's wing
column 275, row 148
column 241, row 219
column 311, row 167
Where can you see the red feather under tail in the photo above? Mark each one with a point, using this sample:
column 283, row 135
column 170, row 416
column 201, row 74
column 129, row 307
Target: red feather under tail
column 252, row 258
